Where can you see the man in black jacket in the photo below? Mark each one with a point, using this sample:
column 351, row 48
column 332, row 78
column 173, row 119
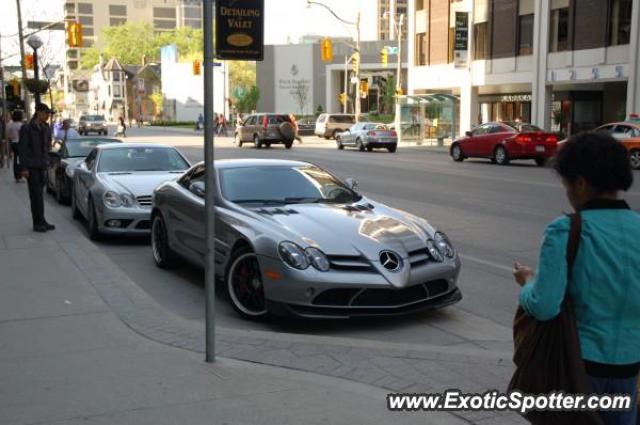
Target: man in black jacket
column 33, row 148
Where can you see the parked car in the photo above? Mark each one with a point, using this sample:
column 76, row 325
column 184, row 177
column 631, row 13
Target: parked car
column 368, row 135
column 64, row 158
column 266, row 129
column 628, row 133
column 92, row 124
column 329, row 125
column 505, row 141
column 306, row 127
column 112, row 187
column 277, row 250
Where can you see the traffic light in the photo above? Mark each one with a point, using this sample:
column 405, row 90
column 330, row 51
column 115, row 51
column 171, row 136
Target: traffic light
column 74, row 34
column 364, row 87
column 384, row 56
column 196, row 67
column 13, row 89
column 355, row 62
column 343, row 98
column 28, row 61
column 326, row 50
column 399, row 91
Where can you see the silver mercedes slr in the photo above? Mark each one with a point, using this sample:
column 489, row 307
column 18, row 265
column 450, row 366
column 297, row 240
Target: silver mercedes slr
column 292, row 239
column 112, row 187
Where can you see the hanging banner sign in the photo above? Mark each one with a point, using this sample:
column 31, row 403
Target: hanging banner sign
column 239, row 29
column 461, row 42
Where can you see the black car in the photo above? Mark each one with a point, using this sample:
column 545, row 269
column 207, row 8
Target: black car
column 63, row 158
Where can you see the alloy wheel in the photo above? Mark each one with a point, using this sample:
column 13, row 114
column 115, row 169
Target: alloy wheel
column 635, row 159
column 245, row 287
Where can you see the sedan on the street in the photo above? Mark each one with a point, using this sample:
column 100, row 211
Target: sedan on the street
column 112, row 187
column 369, row 136
column 292, row 239
column 65, row 156
column 502, row 142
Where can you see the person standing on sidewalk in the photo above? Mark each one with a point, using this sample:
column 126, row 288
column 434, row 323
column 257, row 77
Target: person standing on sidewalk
column 33, row 149
column 605, row 278
column 13, row 136
column 65, row 131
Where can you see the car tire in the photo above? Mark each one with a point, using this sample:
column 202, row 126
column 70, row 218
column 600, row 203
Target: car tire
column 392, row 149
column 339, row 144
column 634, row 155
column 267, row 145
column 163, row 255
column 541, row 162
column 360, row 146
column 238, row 140
column 257, row 142
column 92, row 222
column 500, row 156
column 254, row 307
column 334, row 135
column 75, row 212
column 369, row 148
column 456, row 153
column 288, row 145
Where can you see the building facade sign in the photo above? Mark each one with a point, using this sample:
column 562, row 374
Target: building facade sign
column 461, row 42
column 240, row 29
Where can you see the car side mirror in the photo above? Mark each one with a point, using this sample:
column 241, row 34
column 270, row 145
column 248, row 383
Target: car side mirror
column 468, row 133
column 351, row 183
column 197, row 189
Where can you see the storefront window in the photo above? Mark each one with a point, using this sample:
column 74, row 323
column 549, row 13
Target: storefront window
column 620, row 22
column 559, row 30
column 525, row 35
column 481, row 34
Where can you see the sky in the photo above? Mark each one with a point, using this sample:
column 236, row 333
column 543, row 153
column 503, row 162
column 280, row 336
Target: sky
column 285, row 21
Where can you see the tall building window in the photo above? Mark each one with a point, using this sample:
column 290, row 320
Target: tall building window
column 526, row 9
column 481, row 30
column 117, row 14
column 192, row 16
column 421, row 49
column 164, row 18
column 619, row 22
column 419, row 4
column 559, row 26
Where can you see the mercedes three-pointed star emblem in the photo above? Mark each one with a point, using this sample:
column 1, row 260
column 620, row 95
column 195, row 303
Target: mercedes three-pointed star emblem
column 390, row 261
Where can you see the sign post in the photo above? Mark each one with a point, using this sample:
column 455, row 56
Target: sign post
column 461, row 43
column 239, row 36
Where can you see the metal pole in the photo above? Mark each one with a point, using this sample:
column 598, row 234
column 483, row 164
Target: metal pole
column 25, row 93
column 399, row 71
column 346, row 84
column 357, row 96
column 209, row 207
column 3, row 122
column 126, row 99
column 36, row 75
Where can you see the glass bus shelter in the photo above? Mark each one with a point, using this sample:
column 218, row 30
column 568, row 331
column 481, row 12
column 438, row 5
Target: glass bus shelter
column 429, row 119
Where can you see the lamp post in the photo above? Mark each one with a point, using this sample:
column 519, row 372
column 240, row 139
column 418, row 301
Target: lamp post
column 356, row 24
column 35, row 43
column 397, row 28
column 126, row 99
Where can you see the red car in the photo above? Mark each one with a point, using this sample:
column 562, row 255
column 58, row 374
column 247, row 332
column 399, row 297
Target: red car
column 503, row 141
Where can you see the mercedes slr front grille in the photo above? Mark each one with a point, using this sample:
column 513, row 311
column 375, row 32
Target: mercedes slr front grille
column 354, row 263
column 144, row 201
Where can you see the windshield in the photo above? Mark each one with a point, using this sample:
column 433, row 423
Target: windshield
column 283, row 185
column 141, row 159
column 93, row 118
column 523, row 127
column 82, row 147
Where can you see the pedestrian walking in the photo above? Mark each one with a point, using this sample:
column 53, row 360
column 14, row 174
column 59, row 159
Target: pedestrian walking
column 216, row 124
column 588, row 279
column 122, row 127
column 13, row 137
column 200, row 122
column 33, row 150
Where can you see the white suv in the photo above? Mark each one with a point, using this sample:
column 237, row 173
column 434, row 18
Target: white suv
column 329, row 125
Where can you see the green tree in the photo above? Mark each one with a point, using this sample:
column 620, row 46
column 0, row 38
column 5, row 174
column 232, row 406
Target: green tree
column 248, row 99
column 242, row 73
column 158, row 99
column 189, row 42
column 389, row 96
column 89, row 58
column 131, row 41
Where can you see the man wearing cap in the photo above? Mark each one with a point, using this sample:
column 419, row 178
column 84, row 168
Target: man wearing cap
column 33, row 149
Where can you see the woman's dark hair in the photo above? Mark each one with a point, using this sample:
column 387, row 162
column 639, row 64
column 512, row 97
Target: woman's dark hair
column 598, row 158
column 17, row 115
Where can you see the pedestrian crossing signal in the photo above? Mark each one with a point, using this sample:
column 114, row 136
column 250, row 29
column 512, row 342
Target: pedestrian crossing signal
column 197, row 65
column 326, row 48
column 74, row 34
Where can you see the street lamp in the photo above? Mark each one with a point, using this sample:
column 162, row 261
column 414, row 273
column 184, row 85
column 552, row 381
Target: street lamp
column 356, row 52
column 397, row 27
column 35, row 43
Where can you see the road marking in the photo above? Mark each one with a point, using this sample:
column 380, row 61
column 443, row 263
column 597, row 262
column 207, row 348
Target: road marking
column 486, row 263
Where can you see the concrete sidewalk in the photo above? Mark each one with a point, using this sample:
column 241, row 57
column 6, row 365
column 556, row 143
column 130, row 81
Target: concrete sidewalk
column 67, row 357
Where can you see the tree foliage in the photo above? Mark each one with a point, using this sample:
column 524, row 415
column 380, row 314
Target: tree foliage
column 389, row 95
column 242, row 74
column 248, row 100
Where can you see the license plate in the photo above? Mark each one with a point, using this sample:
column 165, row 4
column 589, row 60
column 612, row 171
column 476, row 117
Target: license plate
column 539, row 148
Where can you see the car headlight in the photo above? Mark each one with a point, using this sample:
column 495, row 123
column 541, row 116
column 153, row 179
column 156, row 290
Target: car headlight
column 433, row 251
column 444, row 245
column 116, row 200
column 293, row 255
column 318, row 259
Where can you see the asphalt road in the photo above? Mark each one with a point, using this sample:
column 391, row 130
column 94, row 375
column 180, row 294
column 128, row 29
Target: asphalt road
column 494, row 215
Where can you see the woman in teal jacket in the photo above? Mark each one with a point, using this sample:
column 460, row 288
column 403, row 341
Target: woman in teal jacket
column 605, row 284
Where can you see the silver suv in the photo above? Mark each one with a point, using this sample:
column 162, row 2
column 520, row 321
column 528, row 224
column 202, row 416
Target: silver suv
column 267, row 129
column 329, row 125
column 92, row 124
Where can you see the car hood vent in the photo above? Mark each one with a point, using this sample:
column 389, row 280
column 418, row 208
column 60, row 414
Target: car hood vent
column 359, row 207
column 276, row 211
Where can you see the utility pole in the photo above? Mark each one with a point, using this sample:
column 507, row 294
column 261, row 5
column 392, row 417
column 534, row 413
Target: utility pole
column 399, row 24
column 345, row 105
column 25, row 93
column 209, row 206
column 358, row 101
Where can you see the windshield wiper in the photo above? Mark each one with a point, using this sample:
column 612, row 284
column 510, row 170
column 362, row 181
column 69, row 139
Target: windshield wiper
column 149, row 169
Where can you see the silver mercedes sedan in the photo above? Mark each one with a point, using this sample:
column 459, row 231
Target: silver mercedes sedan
column 292, row 239
column 112, row 187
